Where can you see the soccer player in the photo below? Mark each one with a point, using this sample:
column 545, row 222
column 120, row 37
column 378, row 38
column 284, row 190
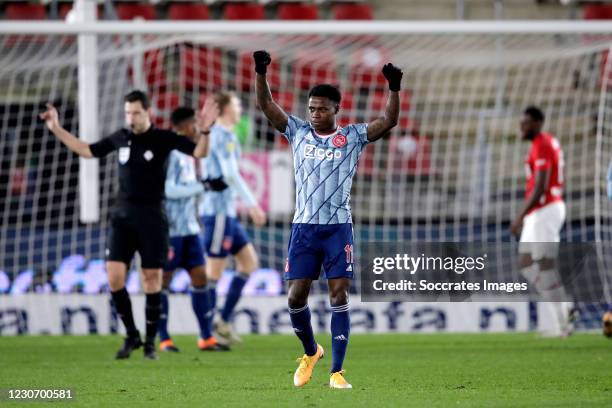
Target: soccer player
column 223, row 233
column 138, row 220
column 182, row 188
column 542, row 216
column 325, row 158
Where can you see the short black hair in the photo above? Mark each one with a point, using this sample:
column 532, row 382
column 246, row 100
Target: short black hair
column 138, row 96
column 535, row 113
column 181, row 114
column 326, row 91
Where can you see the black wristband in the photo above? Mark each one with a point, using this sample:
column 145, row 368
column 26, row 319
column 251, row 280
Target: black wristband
column 216, row 184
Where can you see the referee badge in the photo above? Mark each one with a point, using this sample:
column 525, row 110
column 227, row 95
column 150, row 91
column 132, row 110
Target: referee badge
column 124, row 154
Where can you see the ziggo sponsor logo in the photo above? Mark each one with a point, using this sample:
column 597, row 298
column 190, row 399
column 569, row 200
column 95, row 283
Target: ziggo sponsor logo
column 314, row 152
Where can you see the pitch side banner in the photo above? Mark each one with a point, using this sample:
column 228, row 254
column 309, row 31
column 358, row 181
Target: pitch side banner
column 33, row 314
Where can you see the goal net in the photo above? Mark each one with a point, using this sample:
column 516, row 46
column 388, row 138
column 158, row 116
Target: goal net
column 451, row 171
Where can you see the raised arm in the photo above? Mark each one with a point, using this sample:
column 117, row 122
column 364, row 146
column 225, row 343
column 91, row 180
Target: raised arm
column 273, row 112
column 379, row 127
column 75, row 144
column 206, row 118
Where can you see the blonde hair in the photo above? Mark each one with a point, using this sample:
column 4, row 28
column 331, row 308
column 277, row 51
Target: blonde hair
column 223, row 99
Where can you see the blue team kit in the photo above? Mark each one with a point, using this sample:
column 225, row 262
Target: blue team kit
column 184, row 252
column 223, row 233
column 322, row 232
column 182, row 187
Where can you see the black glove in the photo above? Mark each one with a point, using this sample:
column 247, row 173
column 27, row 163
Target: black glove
column 393, row 75
column 216, row 184
column 262, row 60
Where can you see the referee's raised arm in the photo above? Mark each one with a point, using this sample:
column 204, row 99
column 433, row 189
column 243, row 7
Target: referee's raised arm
column 75, row 144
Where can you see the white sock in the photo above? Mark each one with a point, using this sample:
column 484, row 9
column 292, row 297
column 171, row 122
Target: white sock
column 550, row 287
column 530, row 273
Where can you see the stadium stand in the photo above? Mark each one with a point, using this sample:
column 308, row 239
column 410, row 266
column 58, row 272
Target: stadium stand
column 297, row 11
column 365, row 71
column 243, row 11
column 312, row 10
column 246, row 71
column 597, row 11
column 163, row 105
column 132, row 10
column 314, row 67
column 25, row 11
column 352, row 11
column 210, row 60
column 188, row 11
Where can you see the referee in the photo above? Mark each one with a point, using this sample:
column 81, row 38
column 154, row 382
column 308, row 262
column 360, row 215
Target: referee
column 138, row 220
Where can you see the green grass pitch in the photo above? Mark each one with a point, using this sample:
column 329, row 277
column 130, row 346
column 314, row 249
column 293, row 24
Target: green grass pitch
column 439, row 370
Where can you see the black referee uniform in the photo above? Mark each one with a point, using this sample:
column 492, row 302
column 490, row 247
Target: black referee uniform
column 138, row 219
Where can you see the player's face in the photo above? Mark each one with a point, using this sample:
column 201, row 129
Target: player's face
column 136, row 117
column 322, row 113
column 530, row 127
column 233, row 110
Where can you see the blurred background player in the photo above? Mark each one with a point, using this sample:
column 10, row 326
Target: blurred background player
column 183, row 187
column 541, row 218
column 325, row 158
column 138, row 220
column 223, row 233
column 609, row 180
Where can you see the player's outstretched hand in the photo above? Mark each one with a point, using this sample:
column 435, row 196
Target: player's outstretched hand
column 50, row 117
column 208, row 114
column 262, row 60
column 257, row 215
column 393, row 75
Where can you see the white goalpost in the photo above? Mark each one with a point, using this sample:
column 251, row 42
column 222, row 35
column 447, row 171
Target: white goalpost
column 89, row 197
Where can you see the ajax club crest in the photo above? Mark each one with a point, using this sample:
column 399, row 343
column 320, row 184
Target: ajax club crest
column 339, row 140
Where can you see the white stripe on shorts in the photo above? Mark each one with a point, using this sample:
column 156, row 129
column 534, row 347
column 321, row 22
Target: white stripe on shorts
column 218, row 233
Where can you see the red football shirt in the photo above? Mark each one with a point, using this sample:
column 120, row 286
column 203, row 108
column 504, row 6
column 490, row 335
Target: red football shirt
column 545, row 153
